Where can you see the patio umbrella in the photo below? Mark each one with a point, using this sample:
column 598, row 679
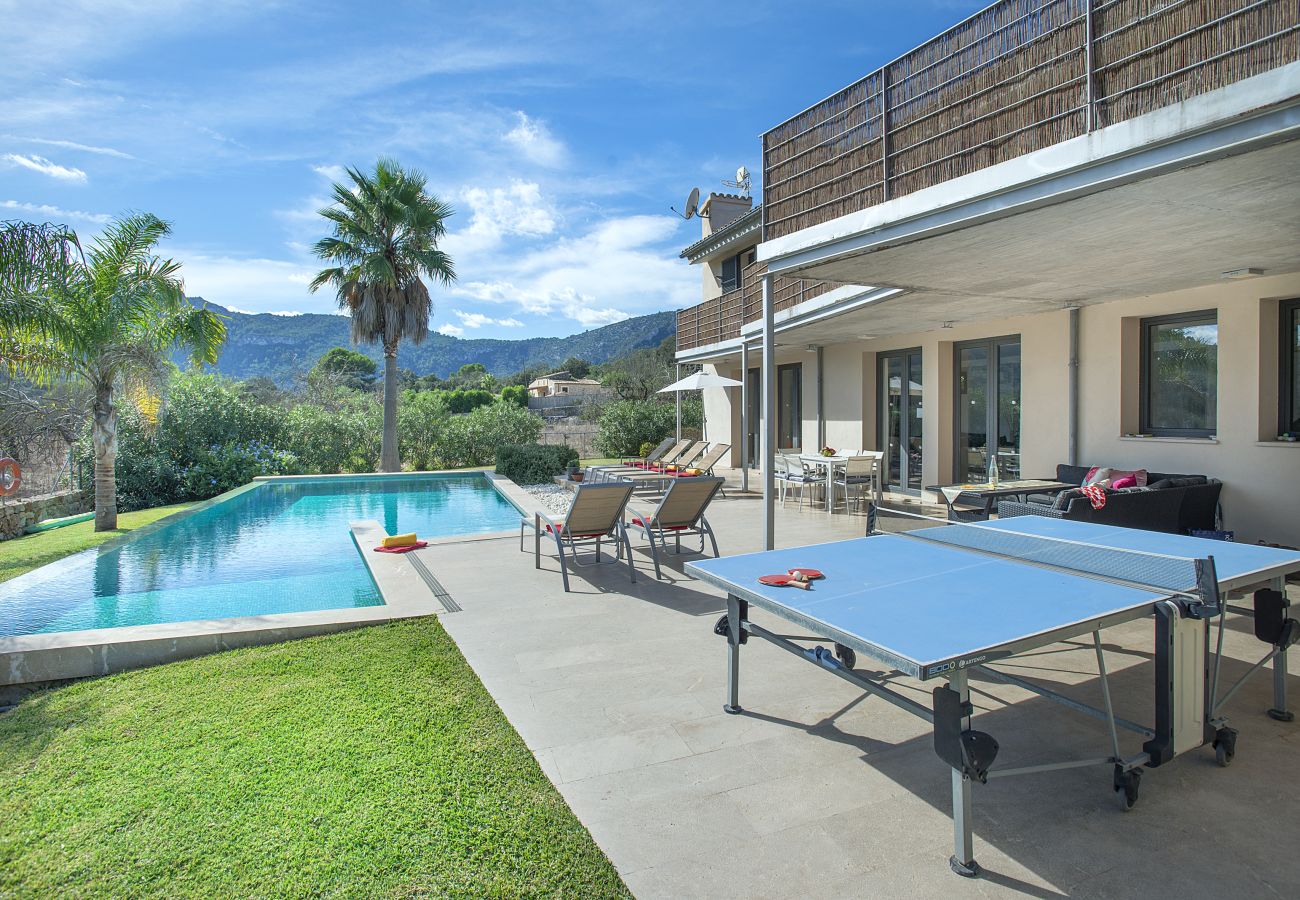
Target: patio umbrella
column 697, row 381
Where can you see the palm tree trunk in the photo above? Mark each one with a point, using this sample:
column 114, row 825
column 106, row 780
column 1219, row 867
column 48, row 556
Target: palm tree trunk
column 389, row 460
column 104, row 438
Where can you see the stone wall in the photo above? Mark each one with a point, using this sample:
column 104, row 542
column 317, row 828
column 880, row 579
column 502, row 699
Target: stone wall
column 579, row 435
column 15, row 515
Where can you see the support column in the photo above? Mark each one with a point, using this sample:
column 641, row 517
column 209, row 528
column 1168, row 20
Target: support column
column 821, row 399
column 767, row 463
column 1072, row 453
column 744, row 415
column 679, row 403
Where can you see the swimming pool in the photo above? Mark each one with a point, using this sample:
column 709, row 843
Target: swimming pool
column 279, row 546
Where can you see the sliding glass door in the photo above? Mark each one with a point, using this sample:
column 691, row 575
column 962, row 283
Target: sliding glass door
column 899, row 419
column 988, row 409
column 789, row 408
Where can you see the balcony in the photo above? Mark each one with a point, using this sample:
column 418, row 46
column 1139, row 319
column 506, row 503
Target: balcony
column 720, row 319
column 1016, row 77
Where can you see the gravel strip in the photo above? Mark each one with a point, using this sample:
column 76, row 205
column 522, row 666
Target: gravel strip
column 552, row 498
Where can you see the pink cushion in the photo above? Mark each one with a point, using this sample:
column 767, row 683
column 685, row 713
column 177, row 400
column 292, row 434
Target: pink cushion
column 1126, row 482
column 1106, row 477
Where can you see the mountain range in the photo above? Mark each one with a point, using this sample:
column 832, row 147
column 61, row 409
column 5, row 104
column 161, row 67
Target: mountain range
column 282, row 347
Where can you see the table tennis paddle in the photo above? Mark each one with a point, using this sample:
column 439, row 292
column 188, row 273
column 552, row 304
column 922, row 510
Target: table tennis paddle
column 782, row 581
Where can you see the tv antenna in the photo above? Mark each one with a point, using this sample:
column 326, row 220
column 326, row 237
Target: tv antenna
column 742, row 181
column 692, row 204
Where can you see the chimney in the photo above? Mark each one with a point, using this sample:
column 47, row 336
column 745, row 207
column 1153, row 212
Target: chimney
column 720, row 210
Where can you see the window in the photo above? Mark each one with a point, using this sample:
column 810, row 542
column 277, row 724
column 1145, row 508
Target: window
column 1180, row 375
column 1289, row 420
column 733, row 269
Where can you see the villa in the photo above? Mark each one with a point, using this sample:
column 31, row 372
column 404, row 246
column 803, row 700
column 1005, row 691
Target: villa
column 1057, row 233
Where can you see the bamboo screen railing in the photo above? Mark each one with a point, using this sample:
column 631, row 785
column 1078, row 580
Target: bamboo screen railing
column 720, row 319
column 1018, row 76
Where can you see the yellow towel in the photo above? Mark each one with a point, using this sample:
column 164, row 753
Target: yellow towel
column 399, row 540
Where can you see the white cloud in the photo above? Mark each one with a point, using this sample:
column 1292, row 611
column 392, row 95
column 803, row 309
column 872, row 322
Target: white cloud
column 619, row 268
column 251, row 284
column 497, row 212
column 55, row 213
column 45, row 167
column 451, row 330
column 333, row 172
column 594, row 317
column 535, row 142
column 478, row 320
column 85, row 148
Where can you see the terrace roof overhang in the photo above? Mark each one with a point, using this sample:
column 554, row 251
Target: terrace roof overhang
column 1165, row 201
column 736, row 235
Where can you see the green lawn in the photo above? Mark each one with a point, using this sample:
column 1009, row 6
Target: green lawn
column 23, row 554
column 367, row 763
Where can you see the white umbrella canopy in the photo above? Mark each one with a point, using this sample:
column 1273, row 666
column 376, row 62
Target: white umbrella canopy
column 695, row 382
column 699, row 381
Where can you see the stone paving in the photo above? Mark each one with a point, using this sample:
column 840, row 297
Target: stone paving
column 618, row 688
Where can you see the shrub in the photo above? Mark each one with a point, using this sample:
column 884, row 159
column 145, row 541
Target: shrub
column 422, row 417
column 644, row 450
column 328, row 441
column 534, row 463
column 472, row 439
column 460, row 401
column 516, row 394
column 627, row 424
column 209, row 437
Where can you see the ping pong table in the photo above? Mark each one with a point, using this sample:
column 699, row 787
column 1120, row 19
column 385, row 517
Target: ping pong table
column 938, row 603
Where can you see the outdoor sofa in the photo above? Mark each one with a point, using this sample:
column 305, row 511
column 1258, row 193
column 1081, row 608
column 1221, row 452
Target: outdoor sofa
column 1177, row 504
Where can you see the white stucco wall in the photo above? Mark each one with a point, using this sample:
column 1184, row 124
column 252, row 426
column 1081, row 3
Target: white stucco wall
column 1261, row 496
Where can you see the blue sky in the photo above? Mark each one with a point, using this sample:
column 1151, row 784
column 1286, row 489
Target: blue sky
column 561, row 133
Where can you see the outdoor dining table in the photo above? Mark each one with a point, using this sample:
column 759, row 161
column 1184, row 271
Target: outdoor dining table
column 829, row 464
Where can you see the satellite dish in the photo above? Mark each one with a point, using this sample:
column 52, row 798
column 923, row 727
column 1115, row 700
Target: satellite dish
column 692, row 203
column 742, row 175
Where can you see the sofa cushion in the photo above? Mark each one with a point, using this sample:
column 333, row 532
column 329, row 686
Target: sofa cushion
column 1071, row 474
column 1065, row 498
column 1106, row 476
column 1178, row 481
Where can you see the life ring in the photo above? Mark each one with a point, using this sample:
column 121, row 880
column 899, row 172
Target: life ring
column 11, row 476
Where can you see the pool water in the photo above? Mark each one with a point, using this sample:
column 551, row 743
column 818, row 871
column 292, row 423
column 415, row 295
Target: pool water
column 279, row 547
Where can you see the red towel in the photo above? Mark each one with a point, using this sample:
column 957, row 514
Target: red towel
column 1096, row 495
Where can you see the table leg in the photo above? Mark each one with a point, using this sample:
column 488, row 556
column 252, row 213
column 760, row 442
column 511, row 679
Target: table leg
column 963, row 851
column 1279, row 710
column 736, row 611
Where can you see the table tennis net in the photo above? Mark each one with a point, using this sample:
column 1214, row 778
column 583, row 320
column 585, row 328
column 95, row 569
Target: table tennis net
column 1175, row 575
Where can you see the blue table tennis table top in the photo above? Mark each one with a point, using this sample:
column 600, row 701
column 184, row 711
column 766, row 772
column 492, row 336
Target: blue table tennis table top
column 925, row 607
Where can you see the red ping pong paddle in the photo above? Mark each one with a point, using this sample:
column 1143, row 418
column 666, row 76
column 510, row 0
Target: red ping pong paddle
column 782, row 581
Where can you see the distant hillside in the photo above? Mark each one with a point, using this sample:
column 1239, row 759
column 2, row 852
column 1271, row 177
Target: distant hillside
column 281, row 347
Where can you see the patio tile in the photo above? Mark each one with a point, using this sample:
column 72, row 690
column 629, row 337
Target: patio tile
column 618, row 688
column 630, row 750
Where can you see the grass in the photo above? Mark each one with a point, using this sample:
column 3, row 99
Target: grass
column 361, row 764
column 23, row 554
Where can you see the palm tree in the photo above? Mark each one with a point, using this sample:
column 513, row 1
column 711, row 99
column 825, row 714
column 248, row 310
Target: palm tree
column 386, row 233
column 110, row 315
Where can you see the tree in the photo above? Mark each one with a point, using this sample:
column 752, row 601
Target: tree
column 111, row 315
column 637, row 375
column 575, row 366
column 345, row 367
column 386, row 233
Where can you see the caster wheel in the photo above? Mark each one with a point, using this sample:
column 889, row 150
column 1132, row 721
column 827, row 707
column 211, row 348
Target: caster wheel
column 1126, row 788
column 846, row 656
column 1225, row 746
column 722, row 627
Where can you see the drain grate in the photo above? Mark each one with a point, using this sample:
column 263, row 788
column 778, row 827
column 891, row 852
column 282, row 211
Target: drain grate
column 448, row 602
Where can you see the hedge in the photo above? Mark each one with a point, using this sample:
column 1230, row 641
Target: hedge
column 534, row 463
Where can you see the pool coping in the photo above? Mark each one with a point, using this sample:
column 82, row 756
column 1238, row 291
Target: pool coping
column 36, row 659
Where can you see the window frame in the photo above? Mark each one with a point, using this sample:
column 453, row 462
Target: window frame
column 1148, row 325
column 1288, row 314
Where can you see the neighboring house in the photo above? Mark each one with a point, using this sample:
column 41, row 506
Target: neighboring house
column 1060, row 231
column 562, row 384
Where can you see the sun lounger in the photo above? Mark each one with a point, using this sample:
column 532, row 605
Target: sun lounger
column 680, row 512
column 596, row 514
